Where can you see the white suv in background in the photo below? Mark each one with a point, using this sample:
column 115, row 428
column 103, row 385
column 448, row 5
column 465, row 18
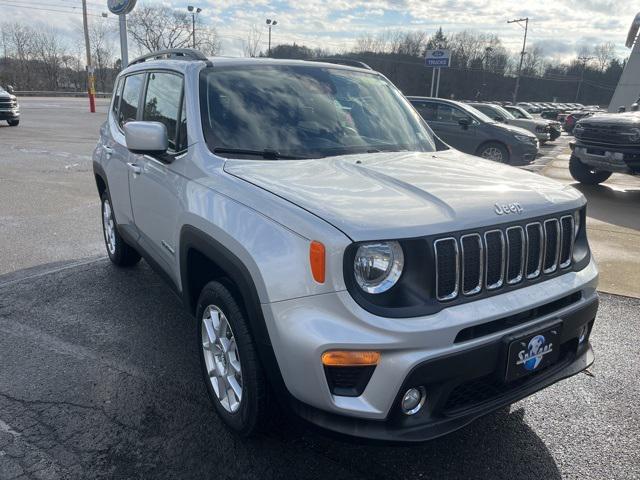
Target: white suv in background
column 333, row 258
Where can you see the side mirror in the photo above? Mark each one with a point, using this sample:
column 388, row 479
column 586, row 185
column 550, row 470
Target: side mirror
column 499, row 119
column 146, row 137
column 622, row 109
column 635, row 107
column 10, row 89
column 464, row 123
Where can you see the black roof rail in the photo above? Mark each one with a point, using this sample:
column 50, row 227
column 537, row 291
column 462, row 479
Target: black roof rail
column 350, row 62
column 171, row 54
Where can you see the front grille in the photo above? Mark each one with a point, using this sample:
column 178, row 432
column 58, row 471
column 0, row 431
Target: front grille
column 6, row 103
column 476, row 261
column 605, row 134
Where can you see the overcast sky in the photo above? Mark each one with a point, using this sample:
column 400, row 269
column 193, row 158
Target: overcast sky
column 560, row 27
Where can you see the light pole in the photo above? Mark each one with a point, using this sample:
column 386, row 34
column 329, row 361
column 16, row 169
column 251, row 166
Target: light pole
column 487, row 52
column 270, row 23
column 584, row 59
column 524, row 45
column 194, row 11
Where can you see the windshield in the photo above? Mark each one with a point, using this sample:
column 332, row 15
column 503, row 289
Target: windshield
column 283, row 111
column 522, row 113
column 504, row 112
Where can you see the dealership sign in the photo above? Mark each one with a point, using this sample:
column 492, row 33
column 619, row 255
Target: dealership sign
column 438, row 58
column 121, row 7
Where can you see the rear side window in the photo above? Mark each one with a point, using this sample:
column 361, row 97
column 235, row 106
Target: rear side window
column 130, row 96
column 162, row 103
column 116, row 98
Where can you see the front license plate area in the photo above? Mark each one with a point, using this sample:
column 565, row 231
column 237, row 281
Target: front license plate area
column 533, row 352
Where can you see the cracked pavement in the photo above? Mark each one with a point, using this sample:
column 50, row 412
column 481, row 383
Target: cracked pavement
column 99, row 378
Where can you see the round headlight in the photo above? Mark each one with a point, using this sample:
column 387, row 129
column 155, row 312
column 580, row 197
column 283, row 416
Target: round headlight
column 378, row 266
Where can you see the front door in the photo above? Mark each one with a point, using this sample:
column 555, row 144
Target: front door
column 155, row 186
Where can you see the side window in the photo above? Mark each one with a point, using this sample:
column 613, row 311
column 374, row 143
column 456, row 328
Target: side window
column 450, row 114
column 427, row 110
column 117, row 93
column 162, row 103
column 130, row 96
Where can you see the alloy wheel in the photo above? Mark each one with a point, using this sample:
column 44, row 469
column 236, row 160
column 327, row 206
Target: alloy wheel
column 221, row 358
column 109, row 227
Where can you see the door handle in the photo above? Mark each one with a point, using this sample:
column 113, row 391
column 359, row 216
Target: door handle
column 107, row 150
column 134, row 168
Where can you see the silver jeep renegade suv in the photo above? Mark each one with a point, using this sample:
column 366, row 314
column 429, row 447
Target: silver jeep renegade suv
column 338, row 257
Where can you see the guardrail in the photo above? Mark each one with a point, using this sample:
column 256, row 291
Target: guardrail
column 43, row 93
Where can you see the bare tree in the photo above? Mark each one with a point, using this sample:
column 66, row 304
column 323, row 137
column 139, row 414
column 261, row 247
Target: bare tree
column 251, row 45
column 604, row 53
column 49, row 48
column 101, row 39
column 533, row 64
column 161, row 27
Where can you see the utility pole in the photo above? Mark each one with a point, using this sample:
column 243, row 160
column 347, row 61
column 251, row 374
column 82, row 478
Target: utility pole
column 524, row 46
column 584, row 59
column 270, row 23
column 91, row 88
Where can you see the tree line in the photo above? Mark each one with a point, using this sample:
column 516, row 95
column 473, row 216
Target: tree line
column 481, row 66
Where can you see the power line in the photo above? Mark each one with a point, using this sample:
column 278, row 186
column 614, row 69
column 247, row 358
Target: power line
column 60, row 9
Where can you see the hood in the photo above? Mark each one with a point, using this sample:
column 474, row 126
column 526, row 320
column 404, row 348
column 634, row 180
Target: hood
column 406, row 194
column 622, row 119
column 513, row 129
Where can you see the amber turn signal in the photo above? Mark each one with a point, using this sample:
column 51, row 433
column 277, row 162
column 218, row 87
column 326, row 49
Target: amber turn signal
column 349, row 358
column 317, row 261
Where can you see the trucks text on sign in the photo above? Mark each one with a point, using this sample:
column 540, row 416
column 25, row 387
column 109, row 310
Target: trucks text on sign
column 438, row 58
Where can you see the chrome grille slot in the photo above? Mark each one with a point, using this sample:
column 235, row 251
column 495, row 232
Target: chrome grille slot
column 447, row 268
column 494, row 259
column 567, row 238
column 515, row 254
column 552, row 245
column 535, row 249
column 472, row 263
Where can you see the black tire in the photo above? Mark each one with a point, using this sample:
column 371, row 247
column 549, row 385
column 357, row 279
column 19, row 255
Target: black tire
column 253, row 410
column 13, row 123
column 492, row 147
column 121, row 254
column 585, row 174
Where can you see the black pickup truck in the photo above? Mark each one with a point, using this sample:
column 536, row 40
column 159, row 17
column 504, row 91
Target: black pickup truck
column 604, row 144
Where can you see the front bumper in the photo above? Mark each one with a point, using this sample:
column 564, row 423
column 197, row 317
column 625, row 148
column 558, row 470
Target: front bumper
column 9, row 114
column 426, row 350
column 522, row 153
column 609, row 158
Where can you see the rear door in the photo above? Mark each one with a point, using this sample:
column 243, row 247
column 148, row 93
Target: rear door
column 116, row 155
column 447, row 121
column 154, row 190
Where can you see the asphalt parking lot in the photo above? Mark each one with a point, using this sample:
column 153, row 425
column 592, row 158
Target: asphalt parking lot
column 99, row 374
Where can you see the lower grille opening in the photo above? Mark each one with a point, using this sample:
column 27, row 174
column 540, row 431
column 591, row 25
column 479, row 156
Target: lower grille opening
column 348, row 381
column 488, row 328
column 480, row 390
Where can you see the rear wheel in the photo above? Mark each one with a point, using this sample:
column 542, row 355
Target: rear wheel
column 585, row 174
column 119, row 251
column 494, row 151
column 230, row 365
column 13, row 123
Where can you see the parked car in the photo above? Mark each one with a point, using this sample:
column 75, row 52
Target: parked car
column 572, row 118
column 529, row 107
column 332, row 257
column 9, row 107
column 605, row 143
column 540, row 128
column 555, row 128
column 468, row 130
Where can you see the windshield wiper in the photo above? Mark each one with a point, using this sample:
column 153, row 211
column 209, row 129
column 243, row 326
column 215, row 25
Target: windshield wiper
column 267, row 153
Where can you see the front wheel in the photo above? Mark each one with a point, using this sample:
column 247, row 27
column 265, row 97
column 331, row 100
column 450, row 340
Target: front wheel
column 494, row 151
column 13, row 123
column 232, row 371
column 585, row 174
column 120, row 252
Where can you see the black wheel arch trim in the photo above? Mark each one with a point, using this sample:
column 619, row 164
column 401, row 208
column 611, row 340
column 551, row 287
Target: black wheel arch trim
column 233, row 268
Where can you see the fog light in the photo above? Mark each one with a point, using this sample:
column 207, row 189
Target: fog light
column 583, row 333
column 413, row 400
